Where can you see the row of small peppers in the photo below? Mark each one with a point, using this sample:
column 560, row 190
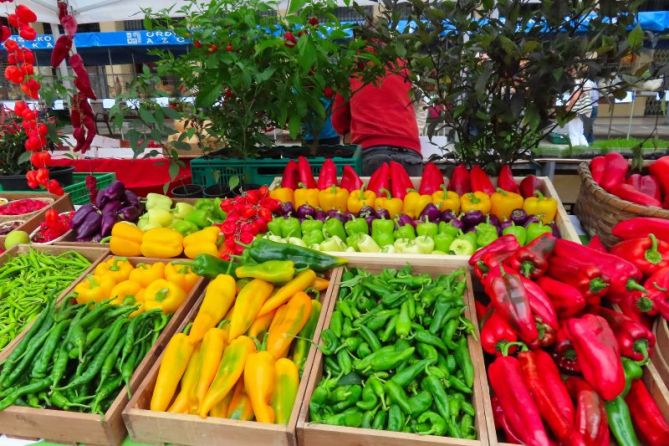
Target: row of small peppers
column 395, row 355
column 547, row 316
column 243, row 354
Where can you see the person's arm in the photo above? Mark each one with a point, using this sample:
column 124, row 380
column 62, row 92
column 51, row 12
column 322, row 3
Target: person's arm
column 341, row 115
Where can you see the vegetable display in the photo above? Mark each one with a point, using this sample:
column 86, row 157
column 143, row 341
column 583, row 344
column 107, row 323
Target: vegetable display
column 22, row 206
column 29, row 282
column 396, row 357
column 54, row 226
column 185, row 218
column 245, row 350
column 163, row 243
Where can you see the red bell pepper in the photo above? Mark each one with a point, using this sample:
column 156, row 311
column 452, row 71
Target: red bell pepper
column 591, row 418
column 532, row 260
column 543, row 310
column 432, row 181
column 480, row 181
column 510, row 300
column 597, row 168
column 543, row 379
column 660, row 170
column 304, row 173
column 459, row 181
column 505, row 246
column 399, row 180
column 646, row 416
column 657, row 286
column 327, row 177
column 496, row 332
column 350, row 180
column 647, row 253
column 597, row 354
column 380, row 180
column 634, row 340
column 481, row 311
column 646, row 184
column 587, row 278
column 564, row 353
column 630, row 309
column 596, row 244
column 615, row 170
column 500, row 421
column 641, row 227
column 506, row 181
column 290, row 178
column 623, row 275
column 520, row 410
column 630, row 193
column 567, row 300
column 529, row 186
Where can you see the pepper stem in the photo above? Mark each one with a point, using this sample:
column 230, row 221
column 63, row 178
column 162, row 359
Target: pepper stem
column 641, row 346
column 644, row 304
column 504, row 347
column 526, row 269
column 598, row 284
column 659, row 288
column 632, row 285
column 652, row 254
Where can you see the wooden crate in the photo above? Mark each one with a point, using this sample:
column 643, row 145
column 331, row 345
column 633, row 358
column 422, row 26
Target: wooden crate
column 74, row 427
column 95, row 255
column 313, row 434
column 660, row 356
column 151, row 427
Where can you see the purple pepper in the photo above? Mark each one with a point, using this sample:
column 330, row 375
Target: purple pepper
column 366, row 210
column 473, row 218
column 112, row 207
column 370, row 218
column 456, row 222
column 305, row 211
column 131, row 198
column 505, row 224
column 348, row 216
column 81, row 214
column 336, row 214
column 532, row 219
column 90, row 226
column 108, row 221
column 285, row 209
column 404, row 219
column 519, row 216
column 556, row 230
column 383, row 213
column 320, row 216
column 493, row 220
column 447, row 216
column 431, row 212
column 129, row 213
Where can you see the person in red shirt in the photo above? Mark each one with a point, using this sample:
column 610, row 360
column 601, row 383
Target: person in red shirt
column 380, row 118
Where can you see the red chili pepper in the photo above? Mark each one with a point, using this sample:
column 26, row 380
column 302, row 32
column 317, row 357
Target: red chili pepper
column 597, row 354
column 327, row 177
column 587, row 278
column 506, row 181
column 630, row 193
column 400, row 181
column 564, row 353
column 480, row 181
column 532, row 260
column 459, row 181
column 69, row 25
column 305, row 174
column 27, row 32
column 520, row 410
column 596, row 244
column 506, row 244
column 646, row 416
column 634, row 340
column 567, row 299
column 380, row 180
column 25, row 14
column 495, row 333
column 510, row 300
column 548, row 391
column 641, row 227
column 432, row 181
column 646, row 184
column 660, row 170
column 42, row 176
column 647, row 253
column 60, row 50
column 500, row 421
column 658, row 293
column 289, row 178
column 83, row 84
column 544, row 312
column 615, row 170
column 591, row 418
column 350, row 180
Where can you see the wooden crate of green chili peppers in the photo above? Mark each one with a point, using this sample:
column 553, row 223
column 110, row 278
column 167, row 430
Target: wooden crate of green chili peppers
column 398, row 361
column 70, row 377
column 31, row 277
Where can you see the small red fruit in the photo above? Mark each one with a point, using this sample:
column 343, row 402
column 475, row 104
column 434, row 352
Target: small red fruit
column 228, row 48
column 212, row 48
column 291, row 41
column 197, row 44
column 328, row 92
column 28, row 32
column 313, row 21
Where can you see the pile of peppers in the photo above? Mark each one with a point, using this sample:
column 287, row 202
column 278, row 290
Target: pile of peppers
column 564, row 366
column 244, row 353
column 395, row 355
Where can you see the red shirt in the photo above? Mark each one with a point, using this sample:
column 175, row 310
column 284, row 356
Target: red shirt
column 378, row 115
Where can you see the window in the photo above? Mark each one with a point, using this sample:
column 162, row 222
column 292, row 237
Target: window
column 654, row 5
column 133, row 25
column 81, row 28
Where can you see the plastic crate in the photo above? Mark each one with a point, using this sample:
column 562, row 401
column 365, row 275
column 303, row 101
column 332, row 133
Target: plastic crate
column 213, row 169
column 78, row 192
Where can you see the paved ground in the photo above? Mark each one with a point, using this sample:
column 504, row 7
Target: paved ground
column 640, row 127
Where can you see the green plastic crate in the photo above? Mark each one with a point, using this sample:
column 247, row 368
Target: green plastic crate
column 77, row 190
column 212, row 169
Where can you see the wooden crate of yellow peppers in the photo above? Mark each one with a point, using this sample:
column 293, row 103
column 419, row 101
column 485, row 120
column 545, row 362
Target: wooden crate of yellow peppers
column 234, row 371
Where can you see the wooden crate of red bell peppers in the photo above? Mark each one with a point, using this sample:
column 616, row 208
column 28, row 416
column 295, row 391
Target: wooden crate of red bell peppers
column 567, row 333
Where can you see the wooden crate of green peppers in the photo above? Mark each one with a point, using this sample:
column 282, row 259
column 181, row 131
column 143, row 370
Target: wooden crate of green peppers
column 30, row 278
column 398, row 361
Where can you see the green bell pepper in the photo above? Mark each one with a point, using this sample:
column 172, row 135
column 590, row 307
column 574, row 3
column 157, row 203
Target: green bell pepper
column 182, row 209
column 485, row 234
column 275, row 225
column 356, row 226
column 312, row 237
column 199, row 217
column 425, row 244
column 290, row 227
column 406, row 231
column 427, row 228
column 535, row 230
column 464, row 245
column 334, row 227
column 309, row 225
column 183, row 227
column 442, row 242
column 517, row 231
column 448, row 229
column 365, row 243
column 382, row 231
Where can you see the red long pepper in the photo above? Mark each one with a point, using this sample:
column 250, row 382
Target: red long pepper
column 60, row 50
column 634, row 340
column 615, row 170
column 290, row 178
column 304, row 173
column 495, row 333
column 564, row 352
column 591, row 418
column 543, row 310
column 641, row 227
column 587, row 278
column 597, row 168
column 629, row 193
column 350, row 180
column 327, row 177
column 532, row 260
column 380, row 179
column 660, row 170
column 648, row 253
column 506, row 181
column 505, row 246
column 529, row 186
column 480, row 181
column 459, row 181
column 597, row 354
column 400, row 181
column 432, row 181
column 500, row 421
column 509, row 298
column 543, row 379
column 646, row 184
column 646, row 416
column 567, row 300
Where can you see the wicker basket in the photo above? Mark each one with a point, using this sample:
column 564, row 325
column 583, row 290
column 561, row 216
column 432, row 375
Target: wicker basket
column 599, row 211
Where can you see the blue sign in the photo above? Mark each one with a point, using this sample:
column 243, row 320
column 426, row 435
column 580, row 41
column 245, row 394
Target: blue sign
column 108, row 39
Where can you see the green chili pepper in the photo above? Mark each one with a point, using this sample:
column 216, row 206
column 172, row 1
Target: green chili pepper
column 336, row 322
column 465, row 361
column 345, row 308
column 389, row 330
column 329, row 342
column 331, row 365
column 367, row 419
column 29, row 353
column 347, row 328
column 441, row 309
column 344, row 362
column 426, row 337
column 427, row 351
column 369, row 398
column 433, row 385
column 437, row 424
column 458, row 385
column 351, row 418
column 449, row 331
column 363, row 350
column 395, row 418
column 370, row 338
column 411, row 372
column 105, row 391
column 45, row 356
column 353, row 396
column 420, row 402
column 379, row 422
column 620, row 422
column 403, row 323
column 454, row 404
column 397, row 396
column 364, row 363
column 33, row 387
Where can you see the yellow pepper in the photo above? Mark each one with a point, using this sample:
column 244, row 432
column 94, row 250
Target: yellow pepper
column 163, row 243
column 185, row 400
column 475, row 201
column 543, row 207
column 414, row 203
column 503, row 203
column 247, row 306
column 333, row 198
column 360, row 198
column 230, row 370
column 283, row 194
column 218, row 299
column 300, row 283
column 165, row 295
column 213, row 345
column 287, row 379
column 117, row 268
column 145, row 273
column 306, row 196
column 202, row 242
column 259, row 385
column 182, row 275
column 175, row 361
column 446, row 201
column 126, row 239
column 240, row 404
column 321, row 284
column 94, row 289
column 261, row 324
column 287, row 323
column 124, row 290
column 394, row 206
column 221, row 409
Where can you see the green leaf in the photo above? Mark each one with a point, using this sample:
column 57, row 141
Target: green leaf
column 24, row 157
column 233, row 182
column 294, row 125
column 146, row 115
column 173, row 170
column 635, row 37
column 206, row 98
column 296, row 5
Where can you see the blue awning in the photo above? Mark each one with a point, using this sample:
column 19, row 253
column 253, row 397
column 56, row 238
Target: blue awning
column 109, row 39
